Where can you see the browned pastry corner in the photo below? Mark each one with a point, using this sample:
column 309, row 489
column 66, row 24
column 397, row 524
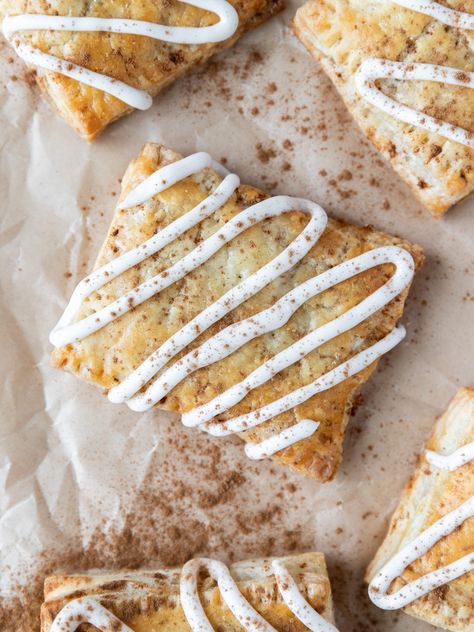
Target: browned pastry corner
column 149, row 601
column 430, row 494
column 139, row 61
column 341, row 34
column 106, row 357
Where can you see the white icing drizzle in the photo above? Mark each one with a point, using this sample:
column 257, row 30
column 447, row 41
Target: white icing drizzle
column 87, row 610
column 302, row 430
column 297, row 603
column 237, row 334
column 247, row 616
column 453, row 461
column 374, row 68
column 423, row 543
column 140, row 99
column 446, row 15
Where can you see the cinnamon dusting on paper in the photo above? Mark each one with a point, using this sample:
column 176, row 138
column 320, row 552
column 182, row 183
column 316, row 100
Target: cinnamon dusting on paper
column 167, row 520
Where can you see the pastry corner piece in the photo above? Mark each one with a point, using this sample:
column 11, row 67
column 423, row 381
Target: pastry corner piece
column 406, row 73
column 97, row 61
column 288, row 593
column 426, row 563
column 246, row 313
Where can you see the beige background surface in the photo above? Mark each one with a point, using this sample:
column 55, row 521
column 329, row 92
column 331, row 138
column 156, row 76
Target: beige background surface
column 74, row 467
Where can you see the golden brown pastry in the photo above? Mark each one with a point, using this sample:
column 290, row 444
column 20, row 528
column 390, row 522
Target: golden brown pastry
column 246, row 313
column 92, row 77
column 378, row 54
column 283, row 592
column 432, row 530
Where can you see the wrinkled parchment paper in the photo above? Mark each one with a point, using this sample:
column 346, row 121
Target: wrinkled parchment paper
column 73, row 465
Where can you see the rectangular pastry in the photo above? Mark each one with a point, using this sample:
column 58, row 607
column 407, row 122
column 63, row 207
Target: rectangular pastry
column 405, row 69
column 246, row 313
column 96, row 61
column 289, row 593
column 426, row 562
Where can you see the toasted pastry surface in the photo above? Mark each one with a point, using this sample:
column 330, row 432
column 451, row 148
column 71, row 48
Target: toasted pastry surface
column 112, row 353
column 430, row 494
column 142, row 62
column 149, row 601
column 341, row 34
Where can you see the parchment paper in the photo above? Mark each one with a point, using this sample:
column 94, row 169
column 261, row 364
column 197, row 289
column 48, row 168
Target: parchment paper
column 85, row 482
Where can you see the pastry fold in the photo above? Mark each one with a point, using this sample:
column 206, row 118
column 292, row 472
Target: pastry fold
column 431, row 494
column 342, row 34
column 149, row 601
column 108, row 356
column 139, row 61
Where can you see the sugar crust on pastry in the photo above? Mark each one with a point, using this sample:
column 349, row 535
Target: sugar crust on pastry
column 430, row 494
column 342, row 34
column 109, row 355
column 139, row 61
column 149, row 601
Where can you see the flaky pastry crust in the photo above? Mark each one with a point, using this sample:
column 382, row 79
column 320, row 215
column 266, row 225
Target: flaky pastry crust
column 141, row 62
column 430, row 494
column 148, row 601
column 108, row 356
column 341, row 34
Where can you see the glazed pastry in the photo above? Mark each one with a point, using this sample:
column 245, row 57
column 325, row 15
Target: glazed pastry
column 426, row 563
column 405, row 69
column 97, row 61
column 245, row 313
column 289, row 593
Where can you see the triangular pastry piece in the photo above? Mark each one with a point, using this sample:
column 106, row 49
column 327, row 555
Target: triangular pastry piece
column 426, row 563
column 96, row 61
column 248, row 314
column 406, row 73
column 289, row 593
